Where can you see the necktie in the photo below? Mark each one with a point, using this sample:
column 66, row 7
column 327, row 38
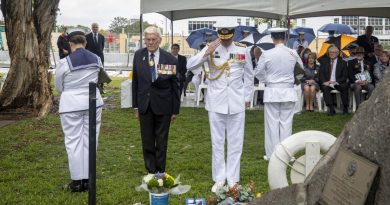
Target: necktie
column 152, row 67
column 95, row 38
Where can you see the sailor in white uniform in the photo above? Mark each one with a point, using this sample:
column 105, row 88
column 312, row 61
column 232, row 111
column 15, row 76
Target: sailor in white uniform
column 300, row 41
column 72, row 81
column 276, row 70
column 230, row 83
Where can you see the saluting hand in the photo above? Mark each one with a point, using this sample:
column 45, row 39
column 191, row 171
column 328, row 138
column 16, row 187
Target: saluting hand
column 213, row 45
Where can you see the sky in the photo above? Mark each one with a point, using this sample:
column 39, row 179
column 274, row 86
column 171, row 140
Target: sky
column 85, row 12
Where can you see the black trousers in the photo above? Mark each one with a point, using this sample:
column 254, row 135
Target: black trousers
column 329, row 98
column 154, row 134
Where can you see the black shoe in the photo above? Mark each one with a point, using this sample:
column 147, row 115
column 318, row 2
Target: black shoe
column 85, row 184
column 76, row 186
column 331, row 111
column 345, row 110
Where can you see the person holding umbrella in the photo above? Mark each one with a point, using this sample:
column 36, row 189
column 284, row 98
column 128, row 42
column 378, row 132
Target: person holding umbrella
column 230, row 85
column 300, row 41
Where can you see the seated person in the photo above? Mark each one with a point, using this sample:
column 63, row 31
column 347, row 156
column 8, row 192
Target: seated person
column 333, row 75
column 360, row 76
column 310, row 81
column 382, row 66
column 304, row 55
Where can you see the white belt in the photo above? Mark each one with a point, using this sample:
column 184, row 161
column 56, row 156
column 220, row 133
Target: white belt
column 279, row 85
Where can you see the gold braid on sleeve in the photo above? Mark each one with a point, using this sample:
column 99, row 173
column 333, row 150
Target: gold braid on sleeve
column 222, row 68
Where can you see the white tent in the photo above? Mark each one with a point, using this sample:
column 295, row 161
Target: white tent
column 276, row 9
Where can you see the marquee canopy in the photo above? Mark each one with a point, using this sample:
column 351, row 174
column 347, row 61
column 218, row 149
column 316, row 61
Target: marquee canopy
column 275, row 9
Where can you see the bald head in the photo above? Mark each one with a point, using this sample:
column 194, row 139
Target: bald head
column 95, row 27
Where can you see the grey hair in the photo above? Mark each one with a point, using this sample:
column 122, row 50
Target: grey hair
column 153, row 30
column 95, row 24
column 332, row 46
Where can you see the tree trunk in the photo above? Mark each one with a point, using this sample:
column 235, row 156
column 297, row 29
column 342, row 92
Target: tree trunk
column 28, row 26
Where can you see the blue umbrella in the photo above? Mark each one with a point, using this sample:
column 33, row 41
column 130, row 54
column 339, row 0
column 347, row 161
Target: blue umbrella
column 265, row 42
column 338, row 28
column 309, row 35
column 239, row 30
column 252, row 39
column 197, row 37
column 293, row 34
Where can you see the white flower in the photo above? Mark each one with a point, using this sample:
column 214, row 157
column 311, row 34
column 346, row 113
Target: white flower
column 148, row 177
column 160, row 182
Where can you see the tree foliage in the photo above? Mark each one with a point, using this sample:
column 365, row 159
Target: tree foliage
column 122, row 23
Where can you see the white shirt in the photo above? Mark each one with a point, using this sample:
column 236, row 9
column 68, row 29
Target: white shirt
column 227, row 94
column 156, row 59
column 276, row 67
column 333, row 74
column 73, row 86
column 298, row 43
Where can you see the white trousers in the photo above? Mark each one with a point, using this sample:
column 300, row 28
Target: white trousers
column 299, row 103
column 75, row 126
column 278, row 117
column 233, row 126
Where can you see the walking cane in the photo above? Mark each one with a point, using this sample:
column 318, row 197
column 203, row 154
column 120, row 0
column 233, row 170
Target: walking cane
column 92, row 144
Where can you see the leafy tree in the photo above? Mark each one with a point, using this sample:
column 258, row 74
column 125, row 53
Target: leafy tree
column 118, row 24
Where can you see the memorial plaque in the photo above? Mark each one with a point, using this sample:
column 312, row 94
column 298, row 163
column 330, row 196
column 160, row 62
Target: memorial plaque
column 349, row 181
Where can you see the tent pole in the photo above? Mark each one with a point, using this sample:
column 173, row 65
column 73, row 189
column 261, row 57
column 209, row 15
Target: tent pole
column 171, row 28
column 358, row 31
column 288, row 21
column 140, row 30
column 317, row 42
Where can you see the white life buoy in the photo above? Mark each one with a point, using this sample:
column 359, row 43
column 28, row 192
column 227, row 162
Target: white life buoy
column 289, row 147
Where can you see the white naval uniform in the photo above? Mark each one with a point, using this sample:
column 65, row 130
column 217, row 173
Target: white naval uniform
column 73, row 109
column 298, row 43
column 276, row 70
column 225, row 102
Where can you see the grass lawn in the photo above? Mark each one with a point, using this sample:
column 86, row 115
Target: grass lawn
column 33, row 160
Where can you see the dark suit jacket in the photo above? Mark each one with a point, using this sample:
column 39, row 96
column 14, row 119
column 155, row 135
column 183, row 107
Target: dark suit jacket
column 354, row 68
column 182, row 67
column 163, row 95
column 96, row 49
column 341, row 71
column 367, row 43
column 63, row 44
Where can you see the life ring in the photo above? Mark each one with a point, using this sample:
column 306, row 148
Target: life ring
column 288, row 148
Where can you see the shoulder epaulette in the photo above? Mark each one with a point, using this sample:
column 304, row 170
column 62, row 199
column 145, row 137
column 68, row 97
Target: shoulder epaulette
column 240, row 44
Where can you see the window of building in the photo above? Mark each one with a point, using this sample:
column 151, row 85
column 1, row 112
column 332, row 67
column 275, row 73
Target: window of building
column 303, row 22
column 336, row 20
column 247, row 22
column 239, row 21
column 194, row 25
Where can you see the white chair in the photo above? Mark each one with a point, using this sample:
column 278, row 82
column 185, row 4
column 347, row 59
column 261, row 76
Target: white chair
column 255, row 92
column 354, row 99
column 338, row 99
column 201, row 86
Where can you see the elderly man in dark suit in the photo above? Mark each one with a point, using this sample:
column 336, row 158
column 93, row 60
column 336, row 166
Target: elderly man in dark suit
column 95, row 42
column 333, row 76
column 156, row 98
column 182, row 65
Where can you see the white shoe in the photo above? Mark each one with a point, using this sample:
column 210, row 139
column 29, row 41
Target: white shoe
column 217, row 186
column 232, row 184
column 265, row 158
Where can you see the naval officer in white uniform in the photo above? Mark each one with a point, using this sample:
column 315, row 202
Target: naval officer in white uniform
column 230, row 83
column 276, row 70
column 72, row 81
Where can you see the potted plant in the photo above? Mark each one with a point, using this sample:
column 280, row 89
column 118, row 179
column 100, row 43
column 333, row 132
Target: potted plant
column 160, row 185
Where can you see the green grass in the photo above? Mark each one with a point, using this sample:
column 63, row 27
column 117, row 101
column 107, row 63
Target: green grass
column 33, row 160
